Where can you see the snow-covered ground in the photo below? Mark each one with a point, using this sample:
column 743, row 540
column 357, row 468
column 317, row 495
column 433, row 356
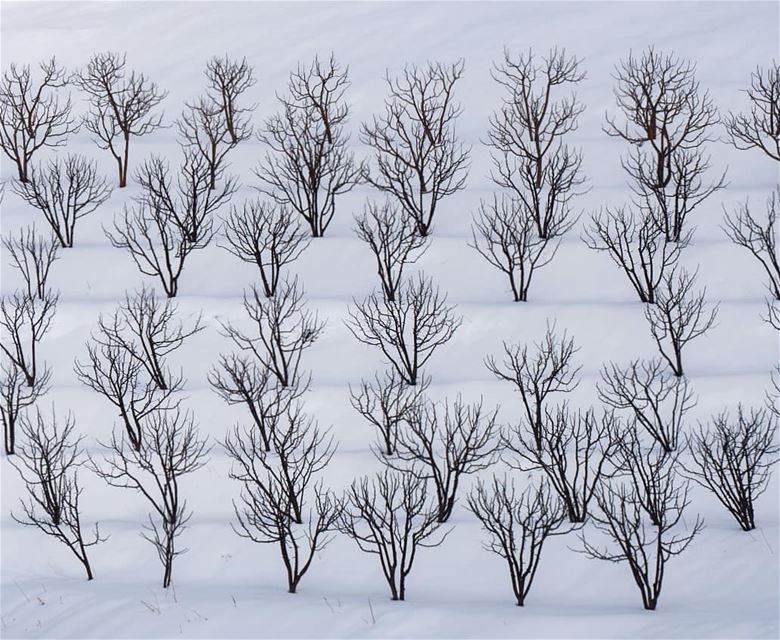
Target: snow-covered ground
column 726, row 585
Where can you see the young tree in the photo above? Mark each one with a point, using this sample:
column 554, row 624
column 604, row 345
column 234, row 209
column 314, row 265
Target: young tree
column 309, row 165
column 32, row 255
column 760, row 129
column 389, row 516
column 407, row 329
column 657, row 400
column 385, row 402
column 547, row 370
column 668, row 120
column 284, row 330
column 172, row 449
column 66, row 190
column 32, row 116
column 443, row 443
column 758, row 237
column 227, row 81
column 393, row 239
column 679, row 315
column 733, row 459
column 518, row 526
column 505, row 234
column 526, row 137
column 15, row 396
column 266, row 235
column 25, row 320
column 203, row 131
column 121, row 105
column 419, row 159
column 637, row 245
column 572, row 450
column 48, row 461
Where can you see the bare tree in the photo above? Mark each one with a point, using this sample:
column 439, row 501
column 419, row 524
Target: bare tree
column 121, row 105
column 526, row 137
column 518, row 526
column 668, row 119
column 658, row 400
column 760, row 129
column 32, row 116
column 393, row 239
column 33, row 255
column 25, row 320
column 572, row 450
column 309, row 165
column 172, row 449
column 419, row 159
column 443, row 443
column 537, row 374
column 66, row 190
column 203, row 130
column 645, row 546
column 680, row 315
column 266, row 235
column 239, row 379
column 228, row 80
column 637, row 245
column 504, row 232
column 389, row 516
column 758, row 237
column 733, row 459
column 385, row 403
column 284, row 329
column 407, row 329
column 48, row 461
column 15, row 396
column 274, row 506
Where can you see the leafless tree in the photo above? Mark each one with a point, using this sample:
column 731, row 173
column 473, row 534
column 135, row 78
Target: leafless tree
column 121, row 105
column 393, row 239
column 668, row 120
column 32, row 115
column 308, row 164
column 65, row 190
column 172, row 449
column 419, row 159
column 733, row 459
column 389, row 516
column 679, row 315
column 518, row 525
column 33, row 255
column 443, row 443
column 240, row 379
column 25, row 320
column 299, row 451
column 572, row 450
column 760, row 129
column 203, row 130
column 657, row 400
column 526, row 137
column 385, row 402
column 637, row 245
column 504, row 232
column 227, row 81
column 645, row 546
column 278, row 489
column 48, row 461
column 407, row 329
column 266, row 235
column 758, row 237
column 537, row 374
column 284, row 330
column 15, row 396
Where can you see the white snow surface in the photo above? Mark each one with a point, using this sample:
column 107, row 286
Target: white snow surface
column 725, row 585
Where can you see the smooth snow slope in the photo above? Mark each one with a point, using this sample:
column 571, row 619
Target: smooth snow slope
column 725, row 585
